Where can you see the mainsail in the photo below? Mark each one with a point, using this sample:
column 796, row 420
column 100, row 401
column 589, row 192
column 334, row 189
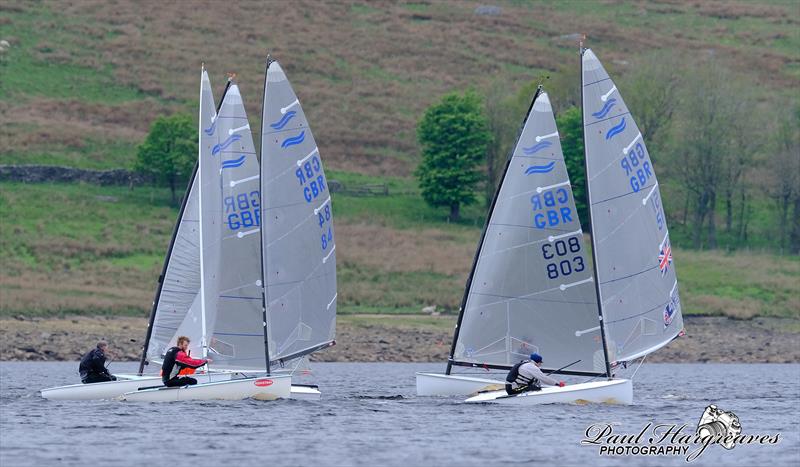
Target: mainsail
column 177, row 305
column 235, row 303
column 531, row 287
column 299, row 245
column 638, row 288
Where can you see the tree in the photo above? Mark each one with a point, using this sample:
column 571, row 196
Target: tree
column 570, row 127
column 650, row 93
column 453, row 135
column 503, row 125
column 170, row 151
column 703, row 143
column 784, row 167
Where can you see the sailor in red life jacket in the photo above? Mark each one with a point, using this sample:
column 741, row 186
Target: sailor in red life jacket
column 176, row 360
column 526, row 376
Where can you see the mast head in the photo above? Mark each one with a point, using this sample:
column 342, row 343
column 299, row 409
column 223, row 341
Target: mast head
column 231, row 76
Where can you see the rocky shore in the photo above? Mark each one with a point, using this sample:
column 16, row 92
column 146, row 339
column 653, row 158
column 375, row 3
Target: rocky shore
column 399, row 339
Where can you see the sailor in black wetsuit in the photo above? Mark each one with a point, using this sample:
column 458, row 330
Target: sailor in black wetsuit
column 93, row 365
column 176, row 360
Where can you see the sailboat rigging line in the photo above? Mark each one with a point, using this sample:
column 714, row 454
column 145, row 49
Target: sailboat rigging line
column 591, row 226
column 463, row 307
column 163, row 274
column 563, row 367
column 261, row 243
column 637, row 368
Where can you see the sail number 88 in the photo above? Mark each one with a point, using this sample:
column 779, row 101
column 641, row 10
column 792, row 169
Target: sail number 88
column 561, row 248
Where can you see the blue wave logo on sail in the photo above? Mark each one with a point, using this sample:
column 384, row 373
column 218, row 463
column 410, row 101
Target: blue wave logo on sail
column 233, row 163
column 606, row 109
column 219, row 147
column 615, row 130
column 294, row 140
column 210, row 130
column 540, row 169
column 537, row 147
column 284, row 120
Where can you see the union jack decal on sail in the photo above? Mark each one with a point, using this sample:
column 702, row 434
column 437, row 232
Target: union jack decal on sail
column 665, row 257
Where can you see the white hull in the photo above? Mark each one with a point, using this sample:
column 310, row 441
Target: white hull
column 433, row 384
column 305, row 392
column 615, row 391
column 261, row 388
column 114, row 389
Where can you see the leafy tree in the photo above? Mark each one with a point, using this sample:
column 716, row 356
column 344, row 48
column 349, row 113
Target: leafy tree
column 453, row 134
column 570, row 127
column 170, row 151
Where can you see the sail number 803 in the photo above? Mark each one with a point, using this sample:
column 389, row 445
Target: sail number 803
column 558, row 250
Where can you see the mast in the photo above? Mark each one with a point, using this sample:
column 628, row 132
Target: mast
column 463, row 306
column 163, row 274
column 262, row 217
column 591, row 225
column 203, row 339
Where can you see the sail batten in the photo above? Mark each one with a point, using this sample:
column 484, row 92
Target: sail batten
column 636, row 275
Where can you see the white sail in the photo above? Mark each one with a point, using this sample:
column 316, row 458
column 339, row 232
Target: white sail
column 210, row 218
column 637, row 282
column 531, row 289
column 177, row 309
column 237, row 336
column 298, row 241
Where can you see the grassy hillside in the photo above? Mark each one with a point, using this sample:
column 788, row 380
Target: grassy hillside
column 88, row 249
column 82, row 81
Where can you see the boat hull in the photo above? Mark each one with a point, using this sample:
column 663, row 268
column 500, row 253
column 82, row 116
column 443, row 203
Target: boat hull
column 261, row 388
column 615, row 391
column 114, row 389
column 305, row 392
column 434, row 384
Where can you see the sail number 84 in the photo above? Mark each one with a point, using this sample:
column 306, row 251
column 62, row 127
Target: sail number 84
column 559, row 249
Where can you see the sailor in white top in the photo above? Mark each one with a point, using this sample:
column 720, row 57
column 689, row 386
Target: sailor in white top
column 527, row 376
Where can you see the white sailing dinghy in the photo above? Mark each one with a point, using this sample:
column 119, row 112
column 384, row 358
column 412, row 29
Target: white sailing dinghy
column 530, row 289
column 233, row 318
column 298, row 242
column 176, row 306
column 634, row 277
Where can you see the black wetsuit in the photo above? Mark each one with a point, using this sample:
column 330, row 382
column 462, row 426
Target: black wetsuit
column 93, row 367
column 174, row 361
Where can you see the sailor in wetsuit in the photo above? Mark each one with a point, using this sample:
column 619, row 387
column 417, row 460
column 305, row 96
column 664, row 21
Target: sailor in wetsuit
column 93, row 365
column 177, row 359
column 526, row 376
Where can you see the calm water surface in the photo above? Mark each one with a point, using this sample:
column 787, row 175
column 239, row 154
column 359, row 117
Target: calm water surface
column 369, row 415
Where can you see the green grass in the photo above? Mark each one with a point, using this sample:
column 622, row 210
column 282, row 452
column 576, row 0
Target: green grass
column 108, row 241
column 45, row 61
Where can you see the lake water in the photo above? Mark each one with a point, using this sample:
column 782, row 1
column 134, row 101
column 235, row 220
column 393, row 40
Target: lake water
column 369, row 415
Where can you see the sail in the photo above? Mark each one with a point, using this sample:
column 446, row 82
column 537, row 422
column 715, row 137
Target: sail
column 179, row 307
column 210, row 218
column 637, row 283
column 181, row 279
column 299, row 242
column 531, row 289
column 237, row 331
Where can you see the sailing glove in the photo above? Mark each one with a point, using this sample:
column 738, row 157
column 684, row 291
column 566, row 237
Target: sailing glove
column 561, row 384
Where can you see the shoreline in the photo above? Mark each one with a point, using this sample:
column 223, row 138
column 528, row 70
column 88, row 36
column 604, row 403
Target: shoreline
column 398, row 338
